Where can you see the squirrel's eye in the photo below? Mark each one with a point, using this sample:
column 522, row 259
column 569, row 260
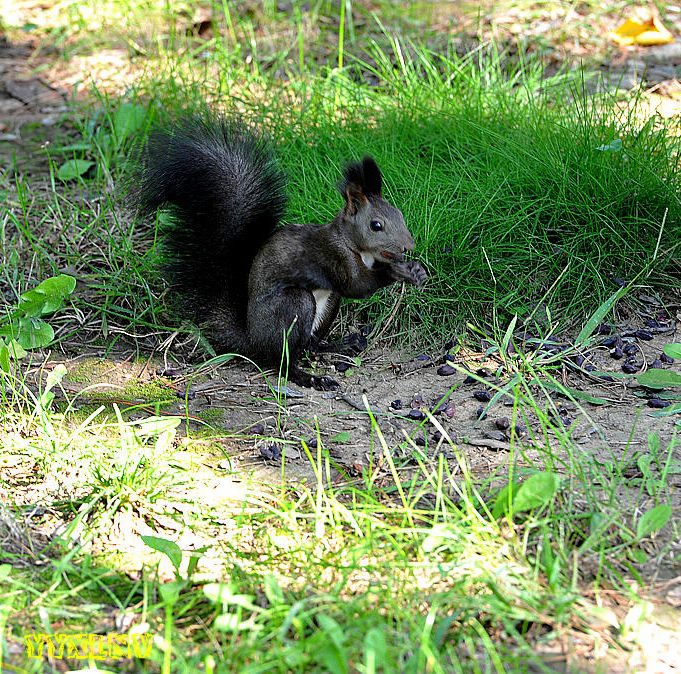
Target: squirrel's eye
column 376, row 226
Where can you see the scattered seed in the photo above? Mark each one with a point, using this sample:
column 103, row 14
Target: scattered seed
column 470, row 379
column 519, row 430
column 578, row 360
column 416, row 401
column 616, row 353
column 658, row 404
column 396, row 404
column 481, row 414
column 437, row 436
column 657, row 364
column 629, row 368
column 189, row 394
column 589, row 368
column 423, row 357
column 448, row 345
column 502, row 423
column 645, row 335
column 420, row 441
column 450, row 357
column 342, row 366
column 271, row 452
column 170, row 372
column 630, row 349
column 256, row 429
column 483, row 396
column 603, row 329
column 610, row 342
column 439, row 405
column 417, row 415
column 483, row 372
column 607, row 377
column 445, row 370
column 665, row 358
column 450, row 410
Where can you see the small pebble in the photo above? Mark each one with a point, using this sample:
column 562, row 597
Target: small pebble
column 445, row 370
column 519, row 430
column 658, row 404
column 480, row 413
column 417, row 415
column 450, row 410
column 416, row 401
column 665, row 358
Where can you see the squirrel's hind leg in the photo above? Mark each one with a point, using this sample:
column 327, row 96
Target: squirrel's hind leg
column 281, row 320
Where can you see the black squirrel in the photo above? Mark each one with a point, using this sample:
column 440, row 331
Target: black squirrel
column 253, row 285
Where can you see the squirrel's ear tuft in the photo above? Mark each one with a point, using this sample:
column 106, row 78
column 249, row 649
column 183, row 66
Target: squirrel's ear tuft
column 360, row 181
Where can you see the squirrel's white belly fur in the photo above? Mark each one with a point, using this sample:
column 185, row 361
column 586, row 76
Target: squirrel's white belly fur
column 321, row 298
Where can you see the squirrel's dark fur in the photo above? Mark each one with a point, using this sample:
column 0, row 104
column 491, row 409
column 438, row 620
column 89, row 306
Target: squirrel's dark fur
column 252, row 284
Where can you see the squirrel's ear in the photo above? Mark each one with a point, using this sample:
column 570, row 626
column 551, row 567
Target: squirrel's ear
column 360, row 181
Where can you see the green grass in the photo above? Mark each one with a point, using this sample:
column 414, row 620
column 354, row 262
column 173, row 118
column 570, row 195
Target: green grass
column 522, row 203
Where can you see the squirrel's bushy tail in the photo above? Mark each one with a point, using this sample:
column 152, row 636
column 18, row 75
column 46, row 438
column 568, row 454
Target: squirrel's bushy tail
column 225, row 194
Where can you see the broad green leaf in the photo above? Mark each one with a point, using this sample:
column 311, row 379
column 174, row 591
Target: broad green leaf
column 34, row 333
column 672, row 350
column 169, row 548
column 128, row 120
column 667, row 411
column 4, row 356
column 598, row 316
column 154, row 426
column 653, row 520
column 572, row 392
column 375, row 649
column 331, row 628
column 334, row 658
column 54, row 377
column 170, row 592
column 613, row 146
column 228, row 622
column 536, row 491
column 343, row 436
column 222, row 593
column 501, row 502
column 46, row 297
column 655, row 378
column 73, row 168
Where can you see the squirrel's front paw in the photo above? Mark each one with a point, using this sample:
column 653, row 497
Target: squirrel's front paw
column 412, row 272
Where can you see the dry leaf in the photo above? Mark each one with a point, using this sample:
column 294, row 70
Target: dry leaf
column 644, row 29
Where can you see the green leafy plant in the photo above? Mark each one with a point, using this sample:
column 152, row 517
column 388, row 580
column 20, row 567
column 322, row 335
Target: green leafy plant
column 23, row 327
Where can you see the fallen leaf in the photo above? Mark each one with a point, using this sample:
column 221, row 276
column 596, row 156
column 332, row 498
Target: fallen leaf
column 643, row 29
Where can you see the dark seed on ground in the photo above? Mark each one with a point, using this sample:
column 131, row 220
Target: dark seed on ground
column 396, row 404
column 483, row 372
column 629, row 368
column 256, row 429
column 448, row 345
column 658, row 404
column 189, row 394
column 271, row 452
column 170, row 372
column 341, row 366
column 616, row 353
column 470, row 379
column 645, row 335
column 416, row 401
column 603, row 329
column 439, row 405
column 450, row 410
column 420, row 441
column 483, row 396
column 450, row 357
column 665, row 358
column 446, row 370
column 417, row 415
column 578, row 360
column 652, row 323
column 589, row 368
column 611, row 341
column 630, row 349
column 437, row 436
column 519, row 430
column 423, row 356
column 657, row 364
column 502, row 423
column 607, row 377
column 480, row 413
